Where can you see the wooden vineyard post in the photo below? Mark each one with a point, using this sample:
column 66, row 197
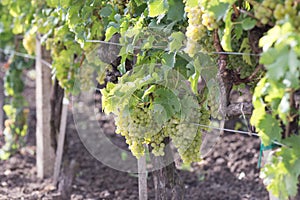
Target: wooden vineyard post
column 1, row 105
column 167, row 182
column 142, row 173
column 44, row 150
column 61, row 140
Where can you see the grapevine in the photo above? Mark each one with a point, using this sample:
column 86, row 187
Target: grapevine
column 228, row 44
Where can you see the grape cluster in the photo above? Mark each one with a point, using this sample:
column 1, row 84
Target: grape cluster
column 186, row 135
column 263, row 11
column 29, row 43
column 139, row 127
column 200, row 21
column 268, row 9
column 288, row 8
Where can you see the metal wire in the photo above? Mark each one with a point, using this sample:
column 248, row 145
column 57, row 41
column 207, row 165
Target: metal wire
column 12, row 52
column 162, row 47
column 251, row 134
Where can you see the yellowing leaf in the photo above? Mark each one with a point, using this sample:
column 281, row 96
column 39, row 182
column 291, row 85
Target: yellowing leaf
column 157, row 7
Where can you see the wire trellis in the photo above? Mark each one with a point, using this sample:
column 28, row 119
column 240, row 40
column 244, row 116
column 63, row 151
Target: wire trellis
column 164, row 47
column 13, row 52
column 24, row 55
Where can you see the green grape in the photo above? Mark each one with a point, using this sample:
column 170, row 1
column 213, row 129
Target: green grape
column 139, row 126
column 29, row 43
column 200, row 22
column 209, row 21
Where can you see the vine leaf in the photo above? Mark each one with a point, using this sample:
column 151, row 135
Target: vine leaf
column 176, row 10
column 269, row 128
column 168, row 100
column 106, row 11
column 245, row 48
column 219, row 10
column 157, row 7
column 226, row 39
column 248, row 24
column 191, row 3
column 169, row 59
column 267, row 41
column 110, row 32
column 277, row 69
column 177, row 41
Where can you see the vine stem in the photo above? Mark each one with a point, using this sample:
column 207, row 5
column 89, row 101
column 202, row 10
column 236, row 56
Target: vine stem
column 82, row 59
column 224, row 75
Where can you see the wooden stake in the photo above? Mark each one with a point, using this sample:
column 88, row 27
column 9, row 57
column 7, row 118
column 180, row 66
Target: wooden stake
column 1, row 105
column 142, row 169
column 44, row 151
column 61, row 140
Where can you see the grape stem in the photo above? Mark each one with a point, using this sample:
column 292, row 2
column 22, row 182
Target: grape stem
column 82, row 59
column 247, row 13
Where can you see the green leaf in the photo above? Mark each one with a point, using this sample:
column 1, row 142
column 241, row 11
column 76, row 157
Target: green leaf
column 160, row 114
column 169, row 59
column 269, row 128
column 106, row 11
column 245, row 48
column 248, row 23
column 191, row 3
column 110, row 32
column 277, row 69
column 168, row 100
column 294, row 62
column 226, row 39
column 176, row 43
column 219, row 10
column 267, row 41
column 65, row 3
column 268, row 57
column 53, row 3
column 176, row 10
column 194, row 82
column 238, row 31
column 157, row 7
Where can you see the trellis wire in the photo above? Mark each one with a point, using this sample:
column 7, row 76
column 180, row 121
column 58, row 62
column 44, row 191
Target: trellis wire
column 161, row 47
column 251, row 134
column 13, row 52
column 9, row 52
column 24, row 55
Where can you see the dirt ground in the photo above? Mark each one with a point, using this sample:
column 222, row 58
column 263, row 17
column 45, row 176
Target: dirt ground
column 229, row 173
